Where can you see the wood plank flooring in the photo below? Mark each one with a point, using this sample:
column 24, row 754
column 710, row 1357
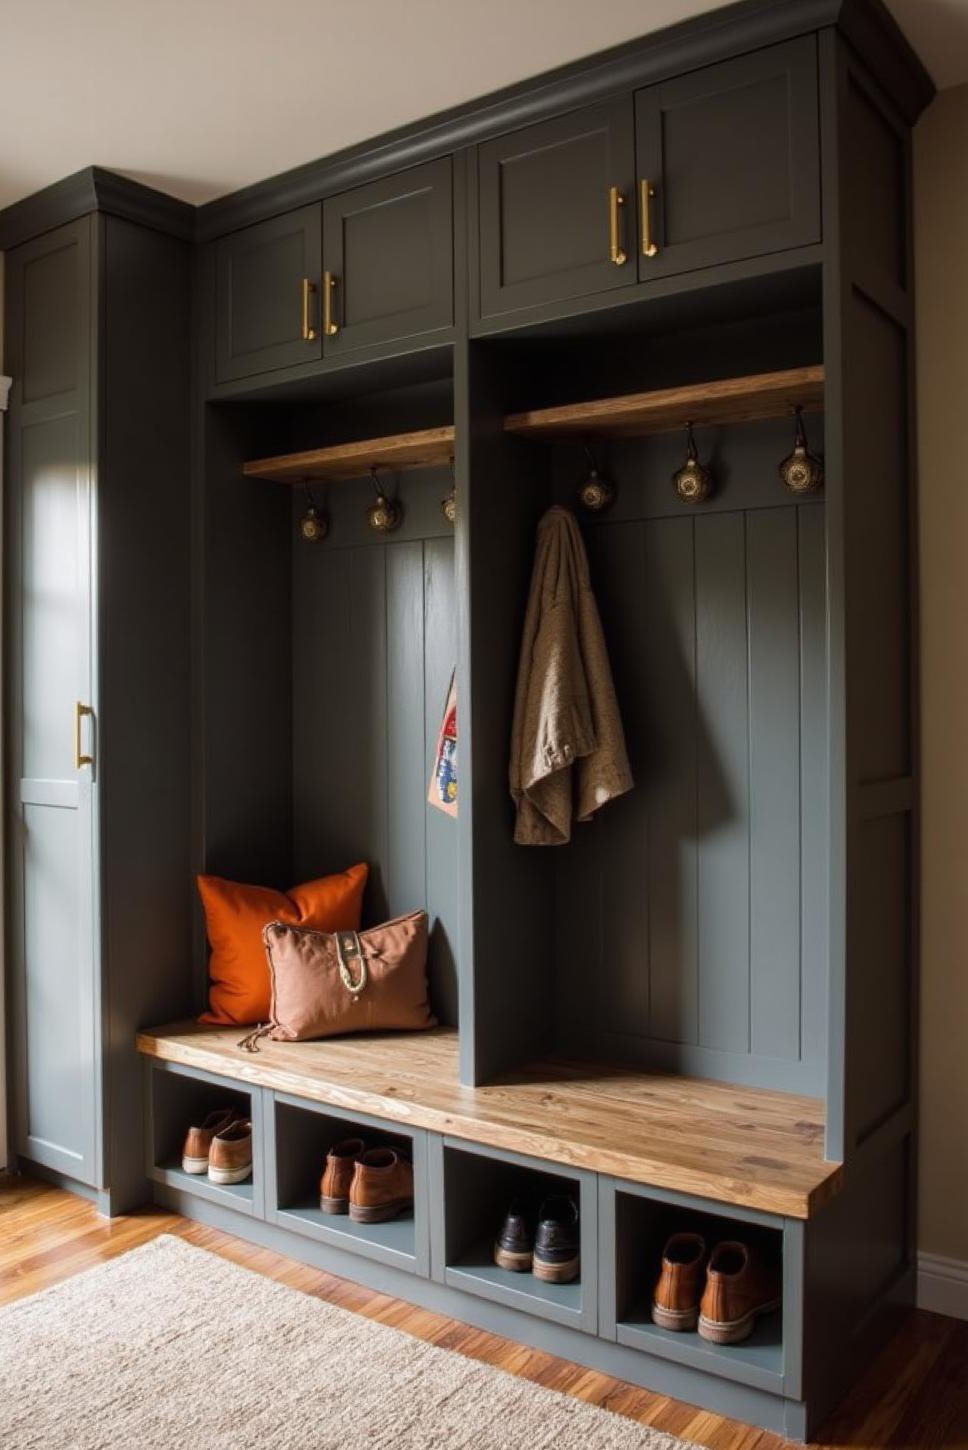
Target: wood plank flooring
column 914, row 1398
column 738, row 1145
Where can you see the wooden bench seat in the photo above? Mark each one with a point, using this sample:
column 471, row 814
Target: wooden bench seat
column 735, row 1145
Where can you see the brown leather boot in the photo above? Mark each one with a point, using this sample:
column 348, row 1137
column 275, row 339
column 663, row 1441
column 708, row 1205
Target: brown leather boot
column 198, row 1141
column 382, row 1186
column 675, row 1302
column 739, row 1286
column 230, row 1157
column 334, row 1186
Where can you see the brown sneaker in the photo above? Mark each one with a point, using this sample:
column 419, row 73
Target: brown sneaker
column 198, row 1141
column 334, row 1186
column 739, row 1286
column 230, row 1158
column 382, row 1186
column 675, row 1301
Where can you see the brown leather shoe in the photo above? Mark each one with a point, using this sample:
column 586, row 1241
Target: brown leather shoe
column 198, row 1141
column 739, row 1286
column 675, row 1302
column 334, row 1186
column 230, row 1157
column 382, row 1186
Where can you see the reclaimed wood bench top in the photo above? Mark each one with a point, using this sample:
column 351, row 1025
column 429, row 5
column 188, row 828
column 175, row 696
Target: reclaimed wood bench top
column 735, row 1145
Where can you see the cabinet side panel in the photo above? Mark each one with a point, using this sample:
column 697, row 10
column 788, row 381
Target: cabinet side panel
column 144, row 643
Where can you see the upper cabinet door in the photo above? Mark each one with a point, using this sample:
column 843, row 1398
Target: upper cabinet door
column 268, row 296
column 728, row 161
column 557, row 215
column 388, row 255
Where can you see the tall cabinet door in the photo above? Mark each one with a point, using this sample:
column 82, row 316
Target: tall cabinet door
column 557, row 218
column 51, row 793
column 267, row 296
column 388, row 254
column 728, row 161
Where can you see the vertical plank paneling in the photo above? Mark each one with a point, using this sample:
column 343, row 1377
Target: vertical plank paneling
column 722, row 782
column 813, row 783
column 774, row 754
column 440, row 654
column 623, row 848
column 340, row 714
column 404, row 734
column 669, row 778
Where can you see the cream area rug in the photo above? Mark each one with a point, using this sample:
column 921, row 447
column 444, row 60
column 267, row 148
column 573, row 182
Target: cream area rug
column 170, row 1347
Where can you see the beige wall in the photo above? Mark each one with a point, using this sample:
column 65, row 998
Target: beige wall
column 941, row 241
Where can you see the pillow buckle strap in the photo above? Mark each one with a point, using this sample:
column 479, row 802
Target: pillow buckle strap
column 349, row 950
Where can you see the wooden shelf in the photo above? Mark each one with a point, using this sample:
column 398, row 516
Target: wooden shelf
column 732, row 400
column 428, row 448
column 736, row 1145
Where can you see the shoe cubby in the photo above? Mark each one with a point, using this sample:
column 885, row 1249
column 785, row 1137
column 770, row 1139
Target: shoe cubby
column 299, row 1135
column 476, row 1186
column 178, row 1099
column 636, row 1224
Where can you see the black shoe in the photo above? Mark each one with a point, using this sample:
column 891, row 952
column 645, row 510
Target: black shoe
column 556, row 1257
column 515, row 1243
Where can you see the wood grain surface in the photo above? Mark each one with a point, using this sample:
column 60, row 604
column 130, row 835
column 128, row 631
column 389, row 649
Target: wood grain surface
column 424, row 449
column 737, row 1145
column 730, row 400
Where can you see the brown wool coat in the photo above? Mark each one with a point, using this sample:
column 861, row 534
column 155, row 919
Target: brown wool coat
column 567, row 746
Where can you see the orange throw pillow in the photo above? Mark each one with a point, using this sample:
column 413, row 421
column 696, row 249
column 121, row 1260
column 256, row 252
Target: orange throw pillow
column 234, row 917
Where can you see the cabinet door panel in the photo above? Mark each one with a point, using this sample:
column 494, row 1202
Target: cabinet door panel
column 53, row 800
column 260, row 277
column 732, row 152
column 389, row 248
column 544, row 209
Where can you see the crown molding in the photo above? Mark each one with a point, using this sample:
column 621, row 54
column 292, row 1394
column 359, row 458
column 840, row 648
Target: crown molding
column 94, row 189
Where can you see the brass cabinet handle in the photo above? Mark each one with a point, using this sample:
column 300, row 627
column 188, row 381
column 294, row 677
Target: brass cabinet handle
column 308, row 291
column 330, row 326
column 616, row 252
column 79, row 712
column 649, row 248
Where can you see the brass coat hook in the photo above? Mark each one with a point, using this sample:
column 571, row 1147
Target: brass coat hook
column 692, row 482
column 385, row 514
column 314, row 524
column 448, row 504
column 801, row 471
column 596, row 494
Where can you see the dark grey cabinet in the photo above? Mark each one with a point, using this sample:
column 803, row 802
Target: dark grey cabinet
column 728, row 161
column 267, row 296
column 557, row 215
column 388, row 258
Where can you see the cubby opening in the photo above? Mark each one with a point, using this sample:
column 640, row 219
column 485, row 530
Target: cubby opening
column 478, row 1191
column 643, row 1226
column 179, row 1101
column 303, row 1135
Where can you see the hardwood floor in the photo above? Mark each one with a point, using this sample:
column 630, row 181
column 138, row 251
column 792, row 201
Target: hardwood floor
column 915, row 1396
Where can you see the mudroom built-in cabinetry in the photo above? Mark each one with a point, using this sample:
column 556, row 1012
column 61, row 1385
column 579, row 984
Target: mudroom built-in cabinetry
column 697, row 1015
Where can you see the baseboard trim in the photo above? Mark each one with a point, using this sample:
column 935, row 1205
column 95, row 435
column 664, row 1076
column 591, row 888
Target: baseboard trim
column 943, row 1285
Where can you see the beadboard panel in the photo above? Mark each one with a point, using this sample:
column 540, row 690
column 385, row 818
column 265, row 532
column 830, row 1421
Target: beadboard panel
column 692, row 911
column 374, row 640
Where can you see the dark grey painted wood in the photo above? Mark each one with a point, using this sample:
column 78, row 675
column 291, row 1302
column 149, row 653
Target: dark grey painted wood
column 732, row 153
column 90, row 190
column 544, row 209
column 700, row 41
column 390, row 249
column 299, row 1134
column 259, row 279
column 143, row 647
column 505, row 916
column 53, row 895
column 176, row 1099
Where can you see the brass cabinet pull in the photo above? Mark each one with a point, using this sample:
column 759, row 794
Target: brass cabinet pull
column 649, row 248
column 308, row 290
column 79, row 712
column 616, row 252
column 330, row 326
